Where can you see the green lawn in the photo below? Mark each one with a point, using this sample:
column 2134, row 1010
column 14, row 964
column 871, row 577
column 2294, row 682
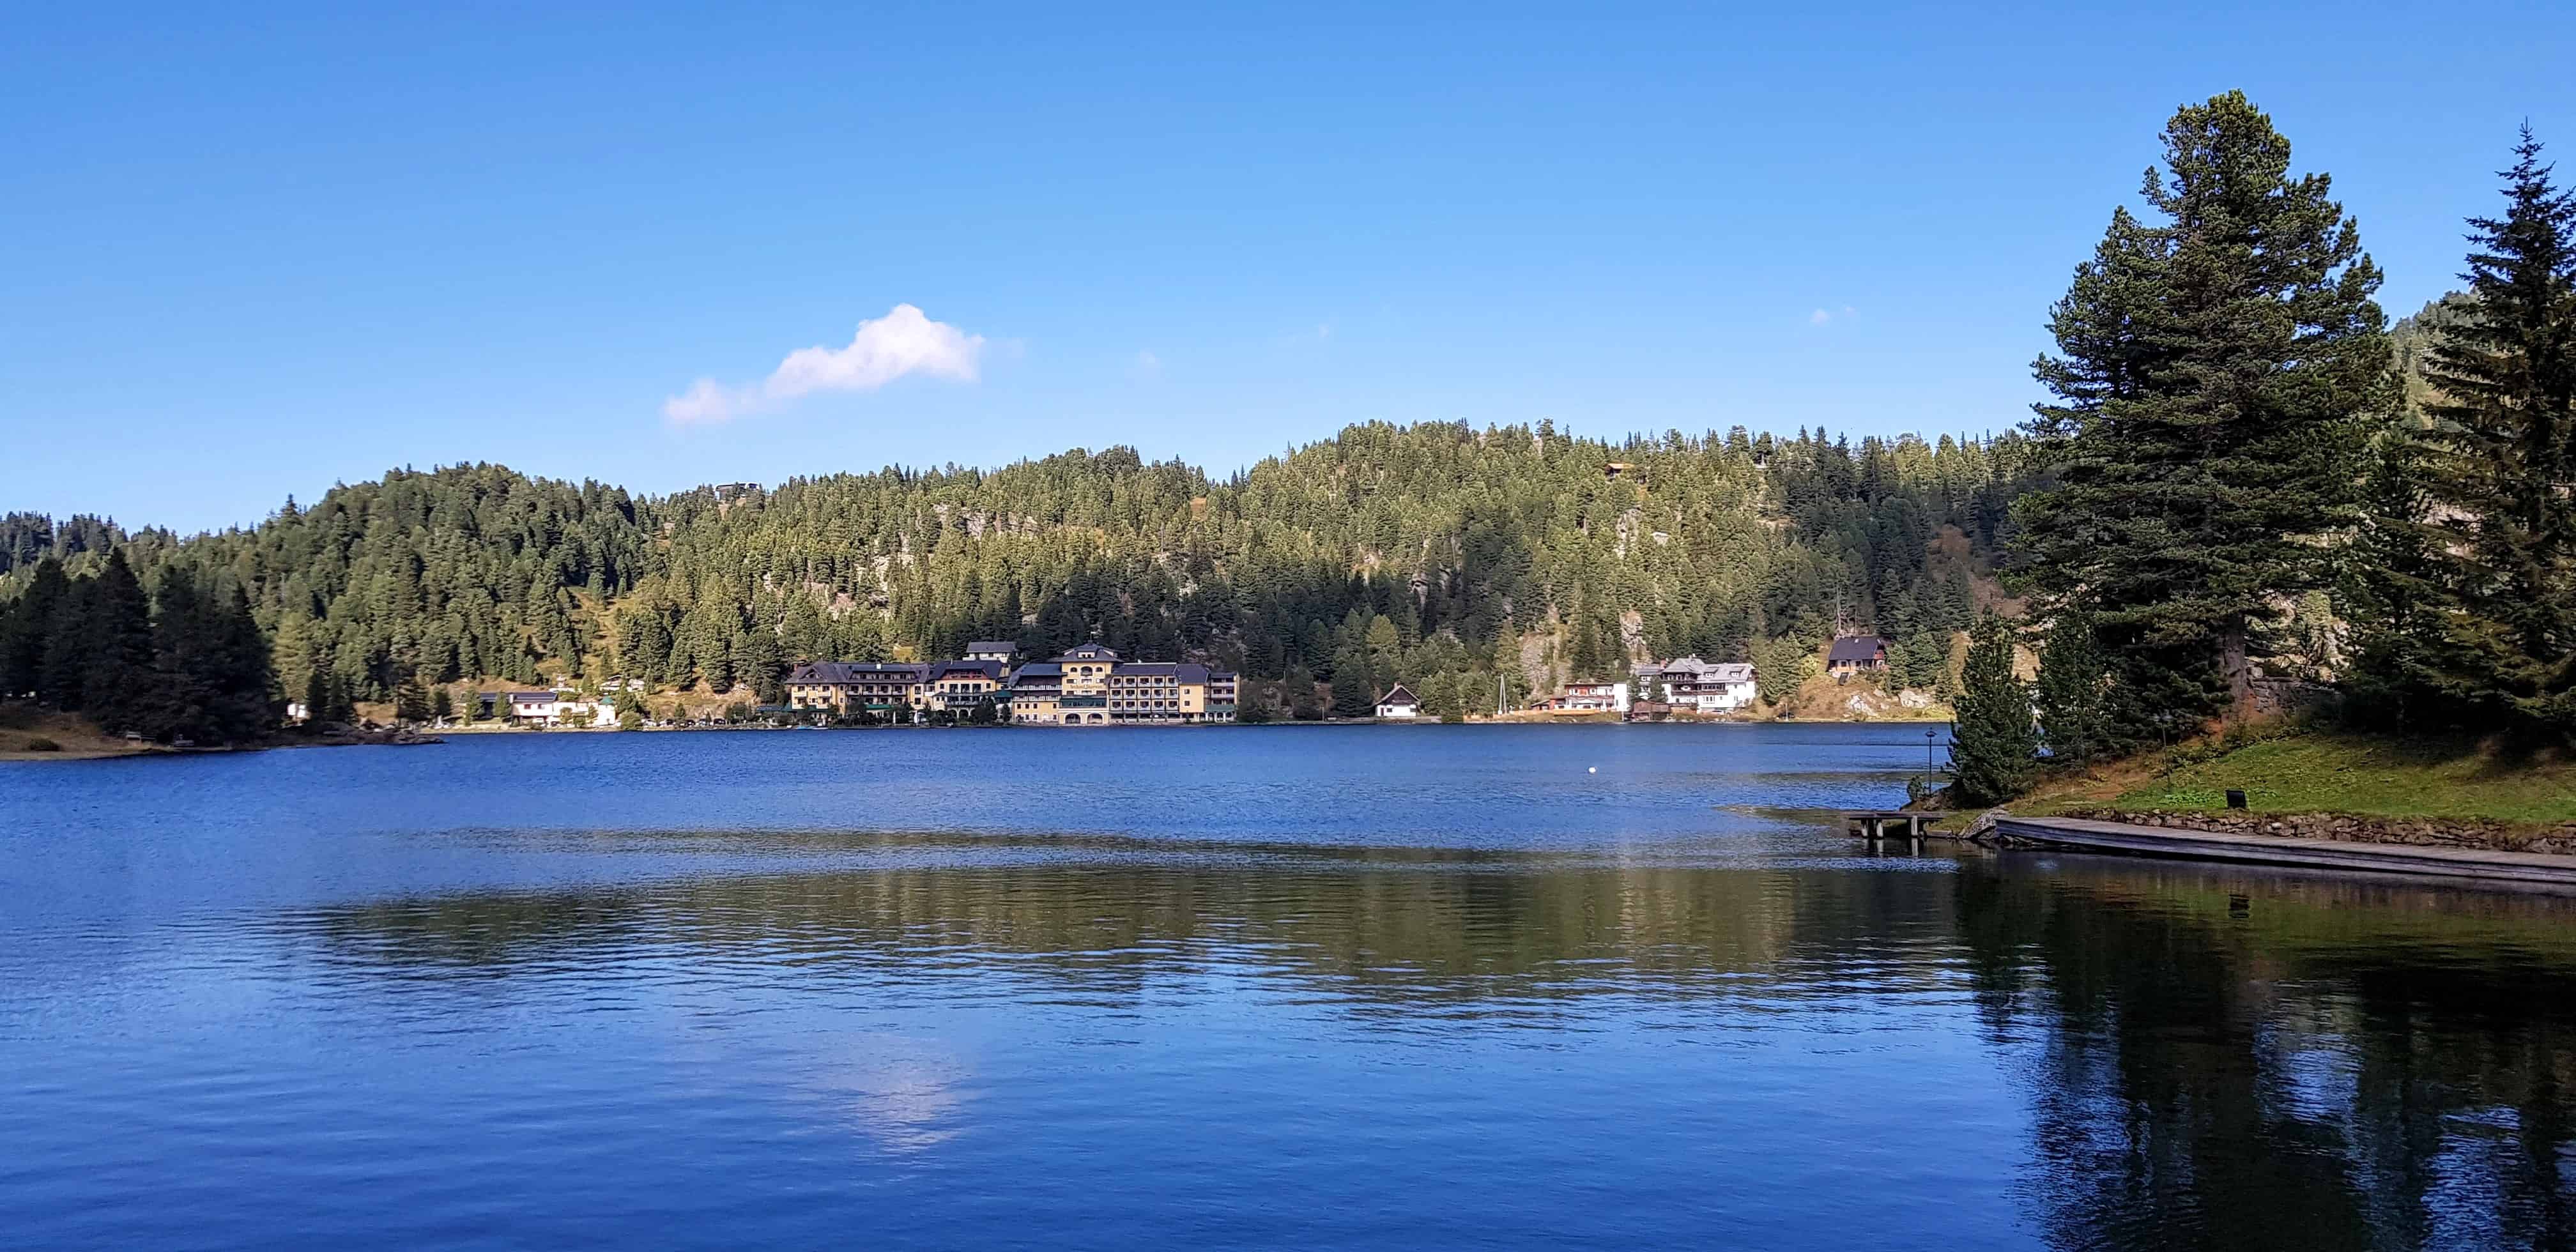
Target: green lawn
column 2324, row 773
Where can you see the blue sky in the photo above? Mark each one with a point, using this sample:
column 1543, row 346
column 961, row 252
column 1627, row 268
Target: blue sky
column 251, row 256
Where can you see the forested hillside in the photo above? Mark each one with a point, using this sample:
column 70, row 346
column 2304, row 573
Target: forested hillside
column 1438, row 554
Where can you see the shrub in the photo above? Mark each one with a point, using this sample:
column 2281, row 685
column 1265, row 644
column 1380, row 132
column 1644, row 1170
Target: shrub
column 39, row 743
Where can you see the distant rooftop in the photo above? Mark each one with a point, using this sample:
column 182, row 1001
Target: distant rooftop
column 1857, row 648
column 856, row 671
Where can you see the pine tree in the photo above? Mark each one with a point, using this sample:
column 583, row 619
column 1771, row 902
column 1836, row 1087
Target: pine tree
column 644, row 642
column 757, row 663
column 317, row 696
column 178, row 700
column 2393, row 589
column 2221, row 369
column 117, row 650
column 27, row 623
column 1352, row 696
column 2502, row 453
column 244, row 673
column 411, row 700
column 1992, row 743
column 2072, row 686
column 63, row 661
column 442, row 706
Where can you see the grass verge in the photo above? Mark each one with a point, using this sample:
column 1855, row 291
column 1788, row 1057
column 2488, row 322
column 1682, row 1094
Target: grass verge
column 2320, row 771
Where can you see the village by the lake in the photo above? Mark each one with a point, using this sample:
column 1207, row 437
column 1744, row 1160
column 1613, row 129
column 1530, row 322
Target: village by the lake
column 1093, row 686
column 1772, row 627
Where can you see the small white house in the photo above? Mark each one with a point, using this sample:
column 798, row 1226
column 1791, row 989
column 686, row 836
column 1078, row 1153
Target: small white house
column 550, row 708
column 1691, row 683
column 1400, row 705
column 1591, row 697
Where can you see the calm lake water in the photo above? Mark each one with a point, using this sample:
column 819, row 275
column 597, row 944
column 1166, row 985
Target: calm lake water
column 1258, row 987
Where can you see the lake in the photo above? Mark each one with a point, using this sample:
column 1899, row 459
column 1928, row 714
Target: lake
column 1247, row 987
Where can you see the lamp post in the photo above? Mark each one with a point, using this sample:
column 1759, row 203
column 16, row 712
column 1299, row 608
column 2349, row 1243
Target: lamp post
column 1930, row 770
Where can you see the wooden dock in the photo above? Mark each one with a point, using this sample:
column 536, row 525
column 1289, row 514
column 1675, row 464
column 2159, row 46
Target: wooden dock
column 2380, row 858
column 1875, row 823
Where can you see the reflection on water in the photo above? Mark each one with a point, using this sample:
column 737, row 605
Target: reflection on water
column 2344, row 1065
column 2229, row 1060
column 1730, row 1032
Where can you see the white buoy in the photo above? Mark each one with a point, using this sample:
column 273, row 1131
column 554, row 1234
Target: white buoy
column 1592, row 769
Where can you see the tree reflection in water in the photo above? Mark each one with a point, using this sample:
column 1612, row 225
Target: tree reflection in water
column 2209, row 1057
column 2232, row 1060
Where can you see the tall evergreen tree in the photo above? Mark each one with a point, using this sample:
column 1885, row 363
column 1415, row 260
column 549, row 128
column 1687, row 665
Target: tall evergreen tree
column 317, row 696
column 411, row 699
column 2220, row 370
column 2502, row 453
column 63, row 660
column 179, row 699
column 756, row 664
column 1352, row 694
column 2393, row 589
column 1993, row 746
column 116, row 683
column 27, row 623
column 2071, row 689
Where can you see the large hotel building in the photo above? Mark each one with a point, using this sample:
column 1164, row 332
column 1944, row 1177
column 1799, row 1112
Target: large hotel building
column 1088, row 686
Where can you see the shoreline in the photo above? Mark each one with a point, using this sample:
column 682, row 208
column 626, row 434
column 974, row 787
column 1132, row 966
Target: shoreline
column 281, row 742
column 2550, row 865
column 432, row 735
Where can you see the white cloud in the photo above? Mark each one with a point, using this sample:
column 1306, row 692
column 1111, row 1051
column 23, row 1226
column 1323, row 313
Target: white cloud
column 1147, row 362
column 904, row 341
column 1823, row 316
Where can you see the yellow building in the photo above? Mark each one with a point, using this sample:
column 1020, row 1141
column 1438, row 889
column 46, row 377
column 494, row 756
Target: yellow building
column 958, row 686
column 841, row 688
column 1087, row 670
column 1037, row 692
column 1088, row 686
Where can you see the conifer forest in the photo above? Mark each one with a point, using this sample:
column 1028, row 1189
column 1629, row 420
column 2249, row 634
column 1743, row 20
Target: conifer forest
column 2240, row 477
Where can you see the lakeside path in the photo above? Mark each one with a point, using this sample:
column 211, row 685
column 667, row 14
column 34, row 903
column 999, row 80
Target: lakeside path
column 2385, row 858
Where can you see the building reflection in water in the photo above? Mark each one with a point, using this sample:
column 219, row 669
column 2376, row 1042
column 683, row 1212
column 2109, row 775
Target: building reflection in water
column 2207, row 1057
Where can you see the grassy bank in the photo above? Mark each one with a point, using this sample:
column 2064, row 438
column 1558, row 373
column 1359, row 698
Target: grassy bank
column 2328, row 772
column 28, row 733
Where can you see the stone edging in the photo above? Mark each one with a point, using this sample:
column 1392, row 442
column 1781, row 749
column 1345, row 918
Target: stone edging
column 2422, row 832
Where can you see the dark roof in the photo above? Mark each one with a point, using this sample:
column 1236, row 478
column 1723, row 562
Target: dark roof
column 832, row 672
column 992, row 645
column 1407, row 697
column 1038, row 674
column 950, row 669
column 1089, row 652
column 1856, row 648
column 1181, row 671
column 532, row 695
